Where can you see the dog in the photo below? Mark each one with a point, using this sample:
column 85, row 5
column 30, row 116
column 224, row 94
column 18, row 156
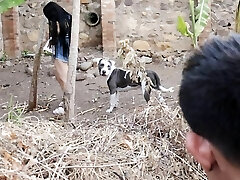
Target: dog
column 118, row 79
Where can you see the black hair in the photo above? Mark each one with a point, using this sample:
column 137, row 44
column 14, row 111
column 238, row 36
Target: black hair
column 210, row 95
column 56, row 15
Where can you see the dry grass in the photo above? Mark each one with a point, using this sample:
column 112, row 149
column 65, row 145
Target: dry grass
column 147, row 143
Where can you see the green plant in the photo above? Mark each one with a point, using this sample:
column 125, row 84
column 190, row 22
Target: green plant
column 199, row 19
column 3, row 58
column 14, row 112
column 6, row 4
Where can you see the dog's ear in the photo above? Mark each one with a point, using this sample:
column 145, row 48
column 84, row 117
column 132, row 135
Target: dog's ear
column 97, row 60
column 112, row 62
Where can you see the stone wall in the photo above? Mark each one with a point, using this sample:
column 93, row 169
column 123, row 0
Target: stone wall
column 31, row 15
column 150, row 25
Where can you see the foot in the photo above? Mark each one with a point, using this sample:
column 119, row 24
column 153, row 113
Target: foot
column 109, row 110
column 59, row 111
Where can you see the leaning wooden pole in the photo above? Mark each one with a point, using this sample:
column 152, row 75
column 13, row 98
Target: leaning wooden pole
column 69, row 94
column 32, row 103
column 237, row 28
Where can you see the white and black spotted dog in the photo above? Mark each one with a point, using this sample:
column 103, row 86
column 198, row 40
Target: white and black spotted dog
column 119, row 79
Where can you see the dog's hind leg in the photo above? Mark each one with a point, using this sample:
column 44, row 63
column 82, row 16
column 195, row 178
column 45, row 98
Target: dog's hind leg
column 113, row 102
column 146, row 92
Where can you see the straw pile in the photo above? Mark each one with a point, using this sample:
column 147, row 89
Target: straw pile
column 147, row 143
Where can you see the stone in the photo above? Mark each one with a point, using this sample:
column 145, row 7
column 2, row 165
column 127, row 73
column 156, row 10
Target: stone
column 83, row 36
column 29, row 70
column 141, row 45
column 85, row 1
column 163, row 45
column 144, row 13
column 80, row 77
column 222, row 31
column 8, row 63
column 146, row 59
column 33, row 35
column 50, row 69
column 89, row 75
column 128, row 2
column 85, row 65
column 93, row 72
column 164, row 6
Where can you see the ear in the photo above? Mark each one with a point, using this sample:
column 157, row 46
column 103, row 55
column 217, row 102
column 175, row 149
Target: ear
column 112, row 62
column 201, row 150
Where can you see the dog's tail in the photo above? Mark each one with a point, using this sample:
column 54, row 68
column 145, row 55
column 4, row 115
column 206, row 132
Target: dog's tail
column 157, row 84
column 163, row 89
column 146, row 90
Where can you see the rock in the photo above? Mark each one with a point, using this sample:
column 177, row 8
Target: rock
column 146, row 59
column 164, row 6
column 50, row 69
column 128, row 2
column 80, row 77
column 222, row 31
column 8, row 63
column 223, row 23
column 89, row 75
column 85, row 65
column 163, row 45
column 144, row 13
column 83, row 36
column 33, row 35
column 29, row 70
column 85, row 1
column 141, row 45
column 99, row 47
column 94, row 72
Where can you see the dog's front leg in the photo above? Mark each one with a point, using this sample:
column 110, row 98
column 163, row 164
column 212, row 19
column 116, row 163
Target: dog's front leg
column 113, row 102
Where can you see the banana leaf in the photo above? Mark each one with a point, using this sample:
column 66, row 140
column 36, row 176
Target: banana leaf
column 6, row 4
column 201, row 16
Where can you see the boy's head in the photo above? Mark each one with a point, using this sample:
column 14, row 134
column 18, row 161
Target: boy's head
column 210, row 100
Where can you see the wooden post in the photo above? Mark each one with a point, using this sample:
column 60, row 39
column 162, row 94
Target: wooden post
column 10, row 30
column 108, row 28
column 32, row 103
column 69, row 94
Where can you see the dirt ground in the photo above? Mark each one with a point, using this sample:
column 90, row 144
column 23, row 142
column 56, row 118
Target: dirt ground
column 92, row 94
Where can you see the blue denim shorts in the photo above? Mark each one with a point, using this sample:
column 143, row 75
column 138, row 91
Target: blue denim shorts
column 58, row 53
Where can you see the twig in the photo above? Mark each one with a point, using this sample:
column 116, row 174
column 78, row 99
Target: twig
column 100, row 166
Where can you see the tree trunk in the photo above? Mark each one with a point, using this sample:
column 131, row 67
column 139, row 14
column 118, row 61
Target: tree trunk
column 208, row 29
column 10, row 30
column 32, row 103
column 69, row 94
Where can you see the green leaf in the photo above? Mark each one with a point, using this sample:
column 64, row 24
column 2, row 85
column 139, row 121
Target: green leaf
column 6, row 4
column 182, row 26
column 201, row 16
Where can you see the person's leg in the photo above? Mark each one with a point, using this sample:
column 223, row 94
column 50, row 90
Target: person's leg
column 61, row 69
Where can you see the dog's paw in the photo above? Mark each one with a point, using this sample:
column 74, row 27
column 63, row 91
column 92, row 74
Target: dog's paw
column 171, row 89
column 109, row 110
column 59, row 111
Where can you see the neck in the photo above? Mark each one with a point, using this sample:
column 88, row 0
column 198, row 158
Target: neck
column 112, row 69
